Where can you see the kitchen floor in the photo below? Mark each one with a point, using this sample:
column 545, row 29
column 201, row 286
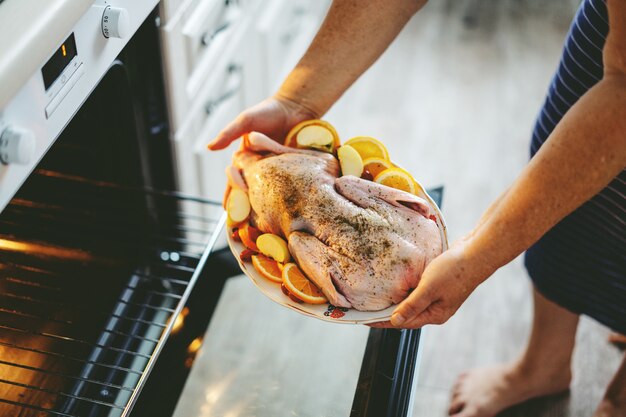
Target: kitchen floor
column 455, row 99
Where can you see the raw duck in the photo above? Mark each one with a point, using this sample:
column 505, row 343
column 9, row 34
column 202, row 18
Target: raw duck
column 363, row 244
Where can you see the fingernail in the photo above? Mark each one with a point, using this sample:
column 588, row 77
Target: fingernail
column 397, row 319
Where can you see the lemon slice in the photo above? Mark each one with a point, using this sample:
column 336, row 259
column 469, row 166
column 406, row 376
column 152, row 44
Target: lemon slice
column 368, row 147
column 376, row 165
column 317, row 135
column 300, row 286
column 397, row 178
column 350, row 161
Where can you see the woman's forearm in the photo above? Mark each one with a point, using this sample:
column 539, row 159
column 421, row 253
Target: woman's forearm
column 584, row 153
column 354, row 34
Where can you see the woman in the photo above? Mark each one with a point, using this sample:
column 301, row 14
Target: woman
column 567, row 208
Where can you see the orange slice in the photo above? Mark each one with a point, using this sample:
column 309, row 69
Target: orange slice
column 267, row 267
column 369, row 147
column 292, row 137
column 376, row 165
column 300, row 286
column 397, row 178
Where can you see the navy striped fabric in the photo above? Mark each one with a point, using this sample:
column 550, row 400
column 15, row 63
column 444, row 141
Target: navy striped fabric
column 581, row 262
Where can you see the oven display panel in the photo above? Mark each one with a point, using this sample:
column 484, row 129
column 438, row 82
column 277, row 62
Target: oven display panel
column 59, row 61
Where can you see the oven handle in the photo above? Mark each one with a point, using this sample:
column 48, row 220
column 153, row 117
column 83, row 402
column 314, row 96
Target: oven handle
column 233, row 85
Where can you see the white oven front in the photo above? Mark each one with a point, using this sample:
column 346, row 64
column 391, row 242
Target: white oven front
column 33, row 118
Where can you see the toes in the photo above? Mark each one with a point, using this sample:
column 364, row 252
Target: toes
column 464, row 413
column 456, row 407
column 457, row 402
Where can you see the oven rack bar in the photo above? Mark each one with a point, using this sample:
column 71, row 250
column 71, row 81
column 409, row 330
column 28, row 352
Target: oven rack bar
column 18, row 330
column 133, row 286
column 70, row 322
column 61, row 374
column 83, row 308
column 176, row 215
column 24, row 314
column 32, row 316
column 157, row 238
column 69, row 215
column 52, row 273
column 99, row 228
column 34, row 407
column 19, row 281
column 35, row 388
column 108, row 367
column 100, row 185
column 66, row 357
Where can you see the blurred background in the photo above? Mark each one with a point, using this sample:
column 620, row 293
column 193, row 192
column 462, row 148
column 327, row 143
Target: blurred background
column 454, row 99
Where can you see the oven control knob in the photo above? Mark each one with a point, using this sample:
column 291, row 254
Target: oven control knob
column 17, row 146
column 115, row 22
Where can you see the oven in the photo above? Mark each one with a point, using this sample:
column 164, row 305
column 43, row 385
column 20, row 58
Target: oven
column 115, row 296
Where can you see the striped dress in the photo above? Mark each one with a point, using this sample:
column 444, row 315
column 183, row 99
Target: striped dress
column 581, row 263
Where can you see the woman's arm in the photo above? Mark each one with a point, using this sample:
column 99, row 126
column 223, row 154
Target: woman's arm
column 353, row 35
column 583, row 154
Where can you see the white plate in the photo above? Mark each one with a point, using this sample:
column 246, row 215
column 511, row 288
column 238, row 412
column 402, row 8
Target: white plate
column 326, row 312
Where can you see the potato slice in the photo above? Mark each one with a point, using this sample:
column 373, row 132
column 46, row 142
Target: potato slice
column 238, row 205
column 316, row 137
column 274, row 247
column 350, row 161
column 230, row 223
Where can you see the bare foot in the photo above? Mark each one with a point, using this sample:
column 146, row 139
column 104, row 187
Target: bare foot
column 614, row 402
column 617, row 339
column 485, row 392
column 610, row 409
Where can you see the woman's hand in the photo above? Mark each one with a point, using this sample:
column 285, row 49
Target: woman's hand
column 445, row 284
column 273, row 117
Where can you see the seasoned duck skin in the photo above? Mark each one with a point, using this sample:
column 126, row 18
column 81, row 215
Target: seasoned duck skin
column 363, row 244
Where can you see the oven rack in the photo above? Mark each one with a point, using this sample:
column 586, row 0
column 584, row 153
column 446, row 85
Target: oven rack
column 94, row 276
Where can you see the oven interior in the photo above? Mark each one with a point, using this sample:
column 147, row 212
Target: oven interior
column 96, row 259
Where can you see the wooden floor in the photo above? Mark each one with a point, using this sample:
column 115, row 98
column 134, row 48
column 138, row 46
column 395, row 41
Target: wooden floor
column 455, row 99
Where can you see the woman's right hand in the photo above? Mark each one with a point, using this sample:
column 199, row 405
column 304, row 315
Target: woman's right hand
column 273, row 117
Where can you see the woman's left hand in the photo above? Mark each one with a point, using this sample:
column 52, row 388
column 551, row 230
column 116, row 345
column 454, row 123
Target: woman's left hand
column 445, row 284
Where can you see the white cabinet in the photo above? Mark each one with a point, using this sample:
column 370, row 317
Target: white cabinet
column 194, row 42
column 285, row 29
